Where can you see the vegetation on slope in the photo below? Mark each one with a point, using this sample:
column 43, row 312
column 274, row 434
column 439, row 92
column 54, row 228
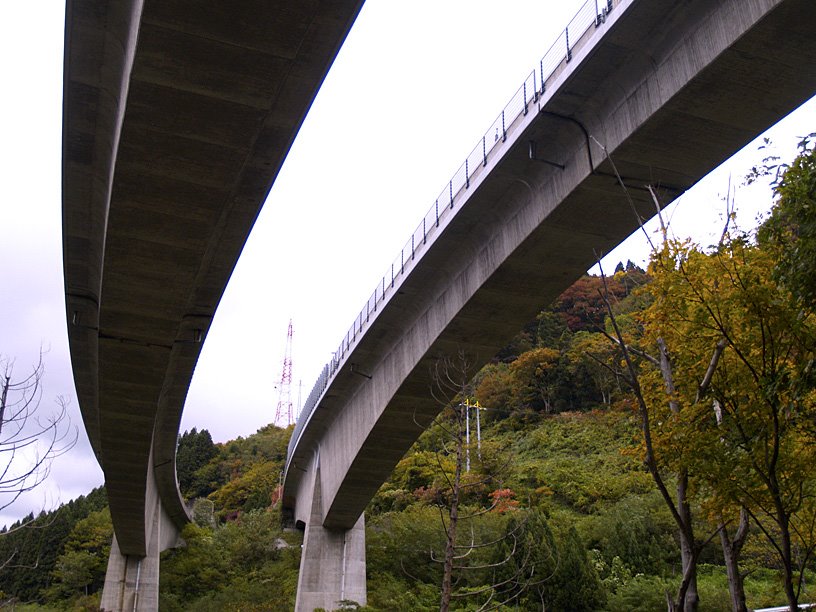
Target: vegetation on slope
column 567, row 505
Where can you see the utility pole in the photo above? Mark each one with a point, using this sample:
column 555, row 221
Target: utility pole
column 467, row 435
column 467, row 406
column 478, row 429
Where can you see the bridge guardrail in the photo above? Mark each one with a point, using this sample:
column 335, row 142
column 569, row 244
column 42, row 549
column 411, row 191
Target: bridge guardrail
column 592, row 13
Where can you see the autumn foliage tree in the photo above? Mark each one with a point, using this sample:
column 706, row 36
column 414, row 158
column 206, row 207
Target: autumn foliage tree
column 722, row 368
column 747, row 442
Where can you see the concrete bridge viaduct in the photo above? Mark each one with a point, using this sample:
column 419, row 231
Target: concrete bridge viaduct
column 660, row 93
column 177, row 118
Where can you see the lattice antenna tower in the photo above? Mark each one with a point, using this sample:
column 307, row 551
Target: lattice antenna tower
column 284, row 410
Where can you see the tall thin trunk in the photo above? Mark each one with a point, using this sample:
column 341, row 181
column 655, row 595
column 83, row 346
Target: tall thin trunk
column 450, row 550
column 787, row 556
column 687, row 596
column 731, row 553
column 783, row 514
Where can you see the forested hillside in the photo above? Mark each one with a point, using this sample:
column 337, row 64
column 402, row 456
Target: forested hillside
column 649, row 441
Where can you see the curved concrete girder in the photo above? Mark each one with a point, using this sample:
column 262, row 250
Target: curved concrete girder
column 177, row 118
column 671, row 91
column 100, row 41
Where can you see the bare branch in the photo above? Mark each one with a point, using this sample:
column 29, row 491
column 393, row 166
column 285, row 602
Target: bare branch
column 29, row 440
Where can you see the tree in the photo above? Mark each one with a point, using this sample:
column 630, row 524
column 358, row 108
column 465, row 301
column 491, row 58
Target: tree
column 732, row 550
column 657, row 393
column 582, row 303
column 669, row 386
column 507, row 575
column 733, row 365
column 537, row 571
column 29, row 440
column 81, row 566
column 495, row 389
column 535, row 378
column 575, row 586
column 526, row 559
column 195, row 450
column 252, row 490
column 451, row 389
column 33, row 544
column 791, row 228
column 757, row 452
column 589, row 355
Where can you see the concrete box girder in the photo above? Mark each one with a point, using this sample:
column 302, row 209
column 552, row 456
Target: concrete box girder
column 177, row 118
column 652, row 86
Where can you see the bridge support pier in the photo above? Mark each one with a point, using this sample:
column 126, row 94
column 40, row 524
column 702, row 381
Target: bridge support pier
column 332, row 564
column 132, row 582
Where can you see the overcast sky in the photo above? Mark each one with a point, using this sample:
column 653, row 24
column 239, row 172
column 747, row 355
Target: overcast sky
column 413, row 89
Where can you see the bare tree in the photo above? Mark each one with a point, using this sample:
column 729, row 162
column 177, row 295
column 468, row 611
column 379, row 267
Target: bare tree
column 520, row 560
column 30, row 438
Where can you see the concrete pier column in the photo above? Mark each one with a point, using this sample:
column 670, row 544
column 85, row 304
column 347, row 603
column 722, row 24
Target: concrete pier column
column 332, row 564
column 132, row 583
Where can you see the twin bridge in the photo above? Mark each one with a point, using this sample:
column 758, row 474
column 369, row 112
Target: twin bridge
column 176, row 122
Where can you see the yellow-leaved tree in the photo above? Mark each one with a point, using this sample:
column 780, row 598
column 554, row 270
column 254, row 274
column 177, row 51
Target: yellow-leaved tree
column 731, row 396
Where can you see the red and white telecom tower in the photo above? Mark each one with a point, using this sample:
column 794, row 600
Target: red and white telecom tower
column 284, row 410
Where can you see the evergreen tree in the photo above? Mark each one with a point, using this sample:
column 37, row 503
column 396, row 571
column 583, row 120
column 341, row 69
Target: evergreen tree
column 195, row 450
column 575, row 586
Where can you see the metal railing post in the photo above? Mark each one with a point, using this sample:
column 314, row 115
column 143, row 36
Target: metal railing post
column 569, row 51
column 535, row 88
column 467, row 175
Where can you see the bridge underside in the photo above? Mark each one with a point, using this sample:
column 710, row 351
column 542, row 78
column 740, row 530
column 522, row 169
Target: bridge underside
column 669, row 90
column 177, row 118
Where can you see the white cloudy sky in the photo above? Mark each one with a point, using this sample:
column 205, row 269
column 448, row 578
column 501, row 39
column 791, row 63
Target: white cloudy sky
column 410, row 94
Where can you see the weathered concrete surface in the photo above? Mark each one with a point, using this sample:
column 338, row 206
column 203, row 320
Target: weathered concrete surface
column 670, row 90
column 332, row 568
column 177, row 116
column 132, row 582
